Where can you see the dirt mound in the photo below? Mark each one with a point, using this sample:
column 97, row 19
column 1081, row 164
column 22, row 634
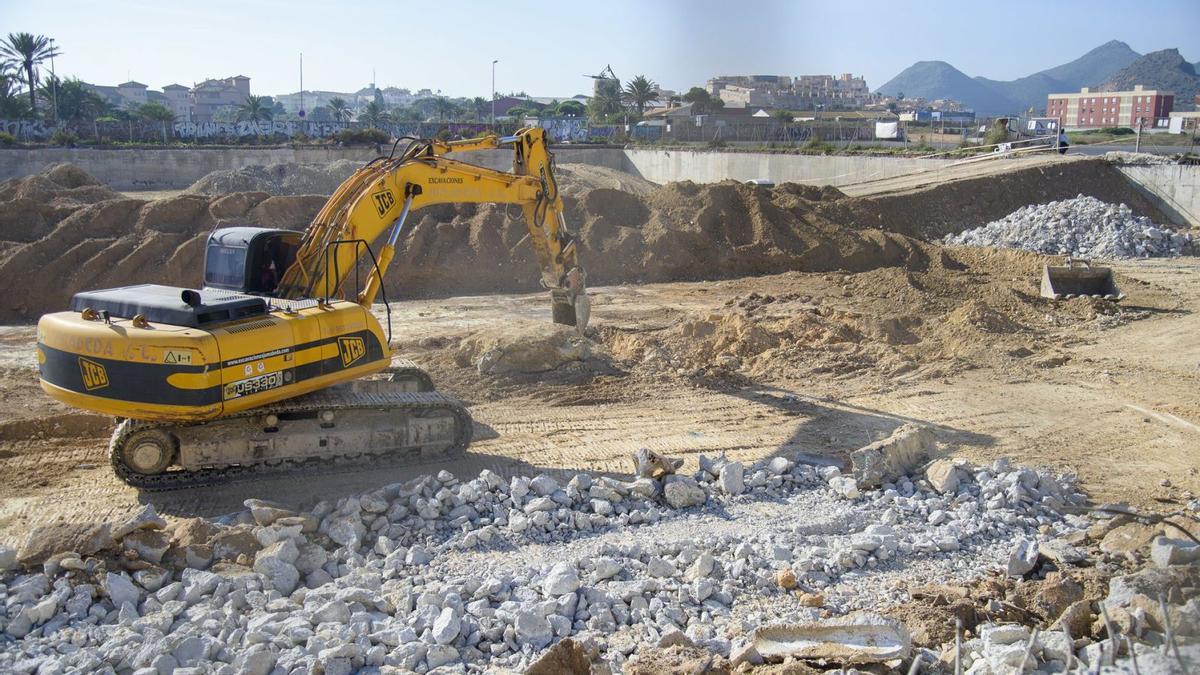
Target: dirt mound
column 521, row 347
column 954, row 206
column 277, row 179
column 629, row 231
column 119, row 241
column 574, row 179
column 30, row 206
column 681, row 231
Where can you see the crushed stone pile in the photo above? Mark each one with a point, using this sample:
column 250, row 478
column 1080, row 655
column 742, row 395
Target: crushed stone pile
column 1136, row 158
column 1083, row 226
column 486, row 573
column 277, row 179
column 629, row 231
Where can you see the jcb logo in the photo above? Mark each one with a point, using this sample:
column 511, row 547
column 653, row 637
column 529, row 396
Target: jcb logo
column 352, row 350
column 94, row 375
column 384, row 200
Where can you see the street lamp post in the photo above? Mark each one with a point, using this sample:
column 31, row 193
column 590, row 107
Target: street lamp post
column 494, row 62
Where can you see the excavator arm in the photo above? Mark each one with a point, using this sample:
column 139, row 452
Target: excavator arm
column 373, row 205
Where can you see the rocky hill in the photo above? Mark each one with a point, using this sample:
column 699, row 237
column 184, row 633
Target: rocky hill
column 937, row 79
column 1164, row 69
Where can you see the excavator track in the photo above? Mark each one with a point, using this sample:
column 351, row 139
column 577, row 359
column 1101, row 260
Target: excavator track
column 408, row 409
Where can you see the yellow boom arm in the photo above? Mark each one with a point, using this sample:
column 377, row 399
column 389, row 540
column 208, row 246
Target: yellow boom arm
column 374, row 203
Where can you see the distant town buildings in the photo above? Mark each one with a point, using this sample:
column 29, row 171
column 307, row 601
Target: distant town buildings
column 803, row 92
column 213, row 96
column 1096, row 109
column 314, row 99
column 196, row 104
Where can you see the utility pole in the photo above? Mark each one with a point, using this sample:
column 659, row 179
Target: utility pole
column 301, row 84
column 1137, row 145
column 494, row 62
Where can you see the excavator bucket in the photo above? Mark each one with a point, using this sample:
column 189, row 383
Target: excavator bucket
column 1078, row 278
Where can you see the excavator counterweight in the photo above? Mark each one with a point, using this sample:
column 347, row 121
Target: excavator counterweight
column 278, row 359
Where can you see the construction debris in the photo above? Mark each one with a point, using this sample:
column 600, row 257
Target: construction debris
column 892, row 457
column 855, row 640
column 376, row 579
column 1080, row 227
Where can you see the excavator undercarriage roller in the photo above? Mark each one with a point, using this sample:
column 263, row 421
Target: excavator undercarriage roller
column 351, row 425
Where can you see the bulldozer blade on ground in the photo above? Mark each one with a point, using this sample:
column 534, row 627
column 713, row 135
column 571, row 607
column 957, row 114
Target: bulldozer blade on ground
column 1078, row 278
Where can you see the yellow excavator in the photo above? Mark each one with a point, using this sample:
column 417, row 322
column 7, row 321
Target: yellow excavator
column 278, row 362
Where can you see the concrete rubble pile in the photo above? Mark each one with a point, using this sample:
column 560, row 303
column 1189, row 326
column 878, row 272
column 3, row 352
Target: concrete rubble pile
column 1081, row 227
column 490, row 572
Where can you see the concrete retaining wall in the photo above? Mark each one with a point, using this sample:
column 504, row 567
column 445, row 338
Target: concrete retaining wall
column 664, row 166
column 177, row 168
column 1175, row 188
column 163, row 168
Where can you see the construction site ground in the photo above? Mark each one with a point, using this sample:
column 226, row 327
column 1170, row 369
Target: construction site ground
column 1110, row 392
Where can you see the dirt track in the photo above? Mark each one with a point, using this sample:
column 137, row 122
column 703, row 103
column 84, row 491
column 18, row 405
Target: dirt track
column 1113, row 397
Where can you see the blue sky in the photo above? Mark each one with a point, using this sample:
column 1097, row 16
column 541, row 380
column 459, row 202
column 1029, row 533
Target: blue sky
column 546, row 48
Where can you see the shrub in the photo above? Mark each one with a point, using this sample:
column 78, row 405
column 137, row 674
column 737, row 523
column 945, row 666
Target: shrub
column 7, row 139
column 64, row 137
column 997, row 133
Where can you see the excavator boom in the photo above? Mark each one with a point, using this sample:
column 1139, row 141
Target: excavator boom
column 372, row 205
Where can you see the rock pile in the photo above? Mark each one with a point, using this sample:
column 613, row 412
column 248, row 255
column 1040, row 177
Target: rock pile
column 489, row 572
column 1083, row 227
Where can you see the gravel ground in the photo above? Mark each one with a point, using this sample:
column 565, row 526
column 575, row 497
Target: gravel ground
column 486, row 574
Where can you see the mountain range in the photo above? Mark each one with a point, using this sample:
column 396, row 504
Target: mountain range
column 1164, row 69
column 1112, row 63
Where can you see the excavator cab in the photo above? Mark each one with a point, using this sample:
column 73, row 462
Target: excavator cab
column 248, row 259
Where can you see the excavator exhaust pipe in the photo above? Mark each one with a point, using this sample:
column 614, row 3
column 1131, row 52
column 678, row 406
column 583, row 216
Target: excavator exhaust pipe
column 1078, row 278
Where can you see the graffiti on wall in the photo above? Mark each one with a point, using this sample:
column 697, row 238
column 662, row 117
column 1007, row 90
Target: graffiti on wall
column 559, row 129
column 26, row 129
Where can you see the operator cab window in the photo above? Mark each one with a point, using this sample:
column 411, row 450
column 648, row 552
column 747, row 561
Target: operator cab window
column 252, row 265
column 224, row 266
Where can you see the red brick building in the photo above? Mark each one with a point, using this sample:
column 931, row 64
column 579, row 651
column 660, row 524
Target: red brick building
column 1094, row 109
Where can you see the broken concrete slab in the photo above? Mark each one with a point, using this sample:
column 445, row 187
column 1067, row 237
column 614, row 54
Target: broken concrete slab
column 944, row 475
column 1165, row 551
column 82, row 538
column 1023, row 558
column 1129, row 538
column 894, row 456
column 650, row 464
column 853, row 640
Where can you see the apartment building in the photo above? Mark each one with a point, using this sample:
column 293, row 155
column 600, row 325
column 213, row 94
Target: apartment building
column 1096, row 109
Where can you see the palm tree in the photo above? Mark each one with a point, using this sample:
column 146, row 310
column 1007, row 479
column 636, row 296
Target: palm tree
column 444, row 106
column 12, row 106
column 157, row 112
column 26, row 51
column 373, row 114
column 255, row 109
column 606, row 100
column 481, row 107
column 339, row 109
column 639, row 91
